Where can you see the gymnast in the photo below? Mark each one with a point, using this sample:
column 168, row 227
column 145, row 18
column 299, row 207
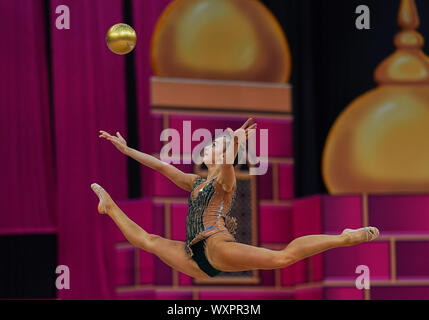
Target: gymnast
column 210, row 247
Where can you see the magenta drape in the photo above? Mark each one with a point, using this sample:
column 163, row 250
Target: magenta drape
column 145, row 16
column 50, row 152
column 89, row 95
column 27, row 183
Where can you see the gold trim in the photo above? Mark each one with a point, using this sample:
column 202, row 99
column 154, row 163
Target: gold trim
column 214, row 113
column 254, row 279
column 165, row 125
column 365, row 218
column 167, row 222
column 403, row 237
column 393, row 276
column 165, row 121
column 275, row 181
column 277, row 279
column 378, row 283
column 221, row 288
column 136, row 266
column 309, row 266
column 283, row 160
column 169, row 200
column 367, row 294
column 175, row 278
column 254, row 185
column 191, row 94
column 379, row 239
column 279, row 203
column 291, row 289
column 123, row 245
column 195, row 295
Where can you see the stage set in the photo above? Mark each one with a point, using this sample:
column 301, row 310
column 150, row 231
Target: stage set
column 347, row 112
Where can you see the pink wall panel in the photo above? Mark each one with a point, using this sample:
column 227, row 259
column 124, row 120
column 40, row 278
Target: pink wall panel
column 307, row 270
column 125, row 266
column 163, row 273
column 279, row 134
column 400, row 214
column 309, row 294
column 136, row 295
column 400, row 293
column 412, row 259
column 146, row 267
column 275, row 224
column 164, row 187
column 341, row 263
column 184, row 280
column 307, row 217
column 173, row 295
column 294, row 274
column 265, row 184
column 316, row 268
column 158, row 219
column 157, row 127
column 343, row 294
column 245, row 295
column 178, row 221
column 341, row 212
column 267, row 277
column 141, row 212
column 285, row 180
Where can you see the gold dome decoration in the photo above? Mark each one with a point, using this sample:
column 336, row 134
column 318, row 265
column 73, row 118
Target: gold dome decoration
column 380, row 142
column 221, row 40
column 408, row 64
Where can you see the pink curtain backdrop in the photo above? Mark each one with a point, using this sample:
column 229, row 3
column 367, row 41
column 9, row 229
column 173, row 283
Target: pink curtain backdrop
column 145, row 16
column 50, row 150
column 89, row 95
column 27, row 184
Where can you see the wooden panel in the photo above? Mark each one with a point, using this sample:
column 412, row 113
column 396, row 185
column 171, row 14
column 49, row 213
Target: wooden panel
column 220, row 95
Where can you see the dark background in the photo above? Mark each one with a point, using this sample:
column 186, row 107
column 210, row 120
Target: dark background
column 27, row 269
column 332, row 63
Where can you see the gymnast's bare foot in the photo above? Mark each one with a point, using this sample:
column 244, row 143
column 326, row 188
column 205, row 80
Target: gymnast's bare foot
column 353, row 237
column 106, row 201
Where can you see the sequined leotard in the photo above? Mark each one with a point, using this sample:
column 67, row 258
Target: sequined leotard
column 208, row 203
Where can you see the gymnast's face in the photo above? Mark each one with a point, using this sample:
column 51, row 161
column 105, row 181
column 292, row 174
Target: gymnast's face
column 214, row 150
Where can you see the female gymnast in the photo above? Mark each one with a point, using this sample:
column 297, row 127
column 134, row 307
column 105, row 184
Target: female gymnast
column 210, row 245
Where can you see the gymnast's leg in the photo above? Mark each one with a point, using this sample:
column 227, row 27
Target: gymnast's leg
column 234, row 256
column 170, row 252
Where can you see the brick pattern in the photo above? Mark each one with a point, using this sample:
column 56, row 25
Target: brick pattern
column 397, row 260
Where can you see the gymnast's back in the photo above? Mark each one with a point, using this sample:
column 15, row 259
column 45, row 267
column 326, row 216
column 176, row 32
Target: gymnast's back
column 209, row 209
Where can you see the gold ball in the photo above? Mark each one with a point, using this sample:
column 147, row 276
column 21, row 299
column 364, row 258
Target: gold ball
column 121, row 38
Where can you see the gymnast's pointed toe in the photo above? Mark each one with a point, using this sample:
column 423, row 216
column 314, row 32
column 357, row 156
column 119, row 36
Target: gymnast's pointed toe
column 356, row 236
column 101, row 194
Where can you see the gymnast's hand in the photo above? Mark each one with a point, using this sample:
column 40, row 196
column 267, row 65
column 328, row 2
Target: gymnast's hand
column 248, row 128
column 118, row 141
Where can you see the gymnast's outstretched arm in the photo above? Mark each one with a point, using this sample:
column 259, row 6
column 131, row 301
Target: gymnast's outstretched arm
column 181, row 179
column 238, row 137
